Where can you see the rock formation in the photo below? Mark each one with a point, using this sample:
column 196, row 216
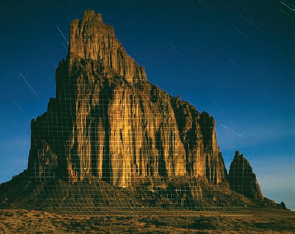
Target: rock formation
column 110, row 139
column 108, row 122
column 242, row 179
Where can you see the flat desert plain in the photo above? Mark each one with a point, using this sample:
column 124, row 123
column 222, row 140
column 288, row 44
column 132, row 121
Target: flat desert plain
column 252, row 221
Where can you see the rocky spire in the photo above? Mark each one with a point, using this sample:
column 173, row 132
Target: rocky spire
column 242, row 179
column 90, row 38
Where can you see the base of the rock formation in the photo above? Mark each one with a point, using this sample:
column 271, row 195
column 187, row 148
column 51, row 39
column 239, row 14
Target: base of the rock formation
column 93, row 196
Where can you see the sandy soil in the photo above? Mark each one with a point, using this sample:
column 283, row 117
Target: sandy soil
column 256, row 221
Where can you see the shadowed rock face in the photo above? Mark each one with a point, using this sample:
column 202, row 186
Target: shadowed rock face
column 107, row 121
column 242, row 179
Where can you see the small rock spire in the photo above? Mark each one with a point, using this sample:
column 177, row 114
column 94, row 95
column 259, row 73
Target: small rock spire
column 242, row 179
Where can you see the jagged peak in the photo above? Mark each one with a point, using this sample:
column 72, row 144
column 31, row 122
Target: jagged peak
column 90, row 38
column 240, row 158
column 90, row 14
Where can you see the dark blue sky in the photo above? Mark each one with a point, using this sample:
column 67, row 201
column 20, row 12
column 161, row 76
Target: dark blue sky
column 231, row 58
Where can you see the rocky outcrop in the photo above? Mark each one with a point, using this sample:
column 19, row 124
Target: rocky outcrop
column 242, row 179
column 108, row 122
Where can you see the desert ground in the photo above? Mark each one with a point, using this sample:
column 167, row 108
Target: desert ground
column 251, row 221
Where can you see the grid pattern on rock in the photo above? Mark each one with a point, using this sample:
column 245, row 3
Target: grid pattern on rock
column 113, row 143
column 110, row 140
column 115, row 157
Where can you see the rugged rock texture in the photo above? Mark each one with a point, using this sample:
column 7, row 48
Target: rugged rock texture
column 90, row 38
column 242, row 179
column 197, row 133
column 108, row 122
column 109, row 128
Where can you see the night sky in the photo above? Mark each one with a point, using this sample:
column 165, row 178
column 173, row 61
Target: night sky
column 231, row 58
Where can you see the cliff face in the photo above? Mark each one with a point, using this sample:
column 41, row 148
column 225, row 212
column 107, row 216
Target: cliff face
column 242, row 179
column 107, row 121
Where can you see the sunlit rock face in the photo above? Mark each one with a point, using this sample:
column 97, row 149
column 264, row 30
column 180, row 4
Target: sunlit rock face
column 242, row 179
column 108, row 122
column 90, row 38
